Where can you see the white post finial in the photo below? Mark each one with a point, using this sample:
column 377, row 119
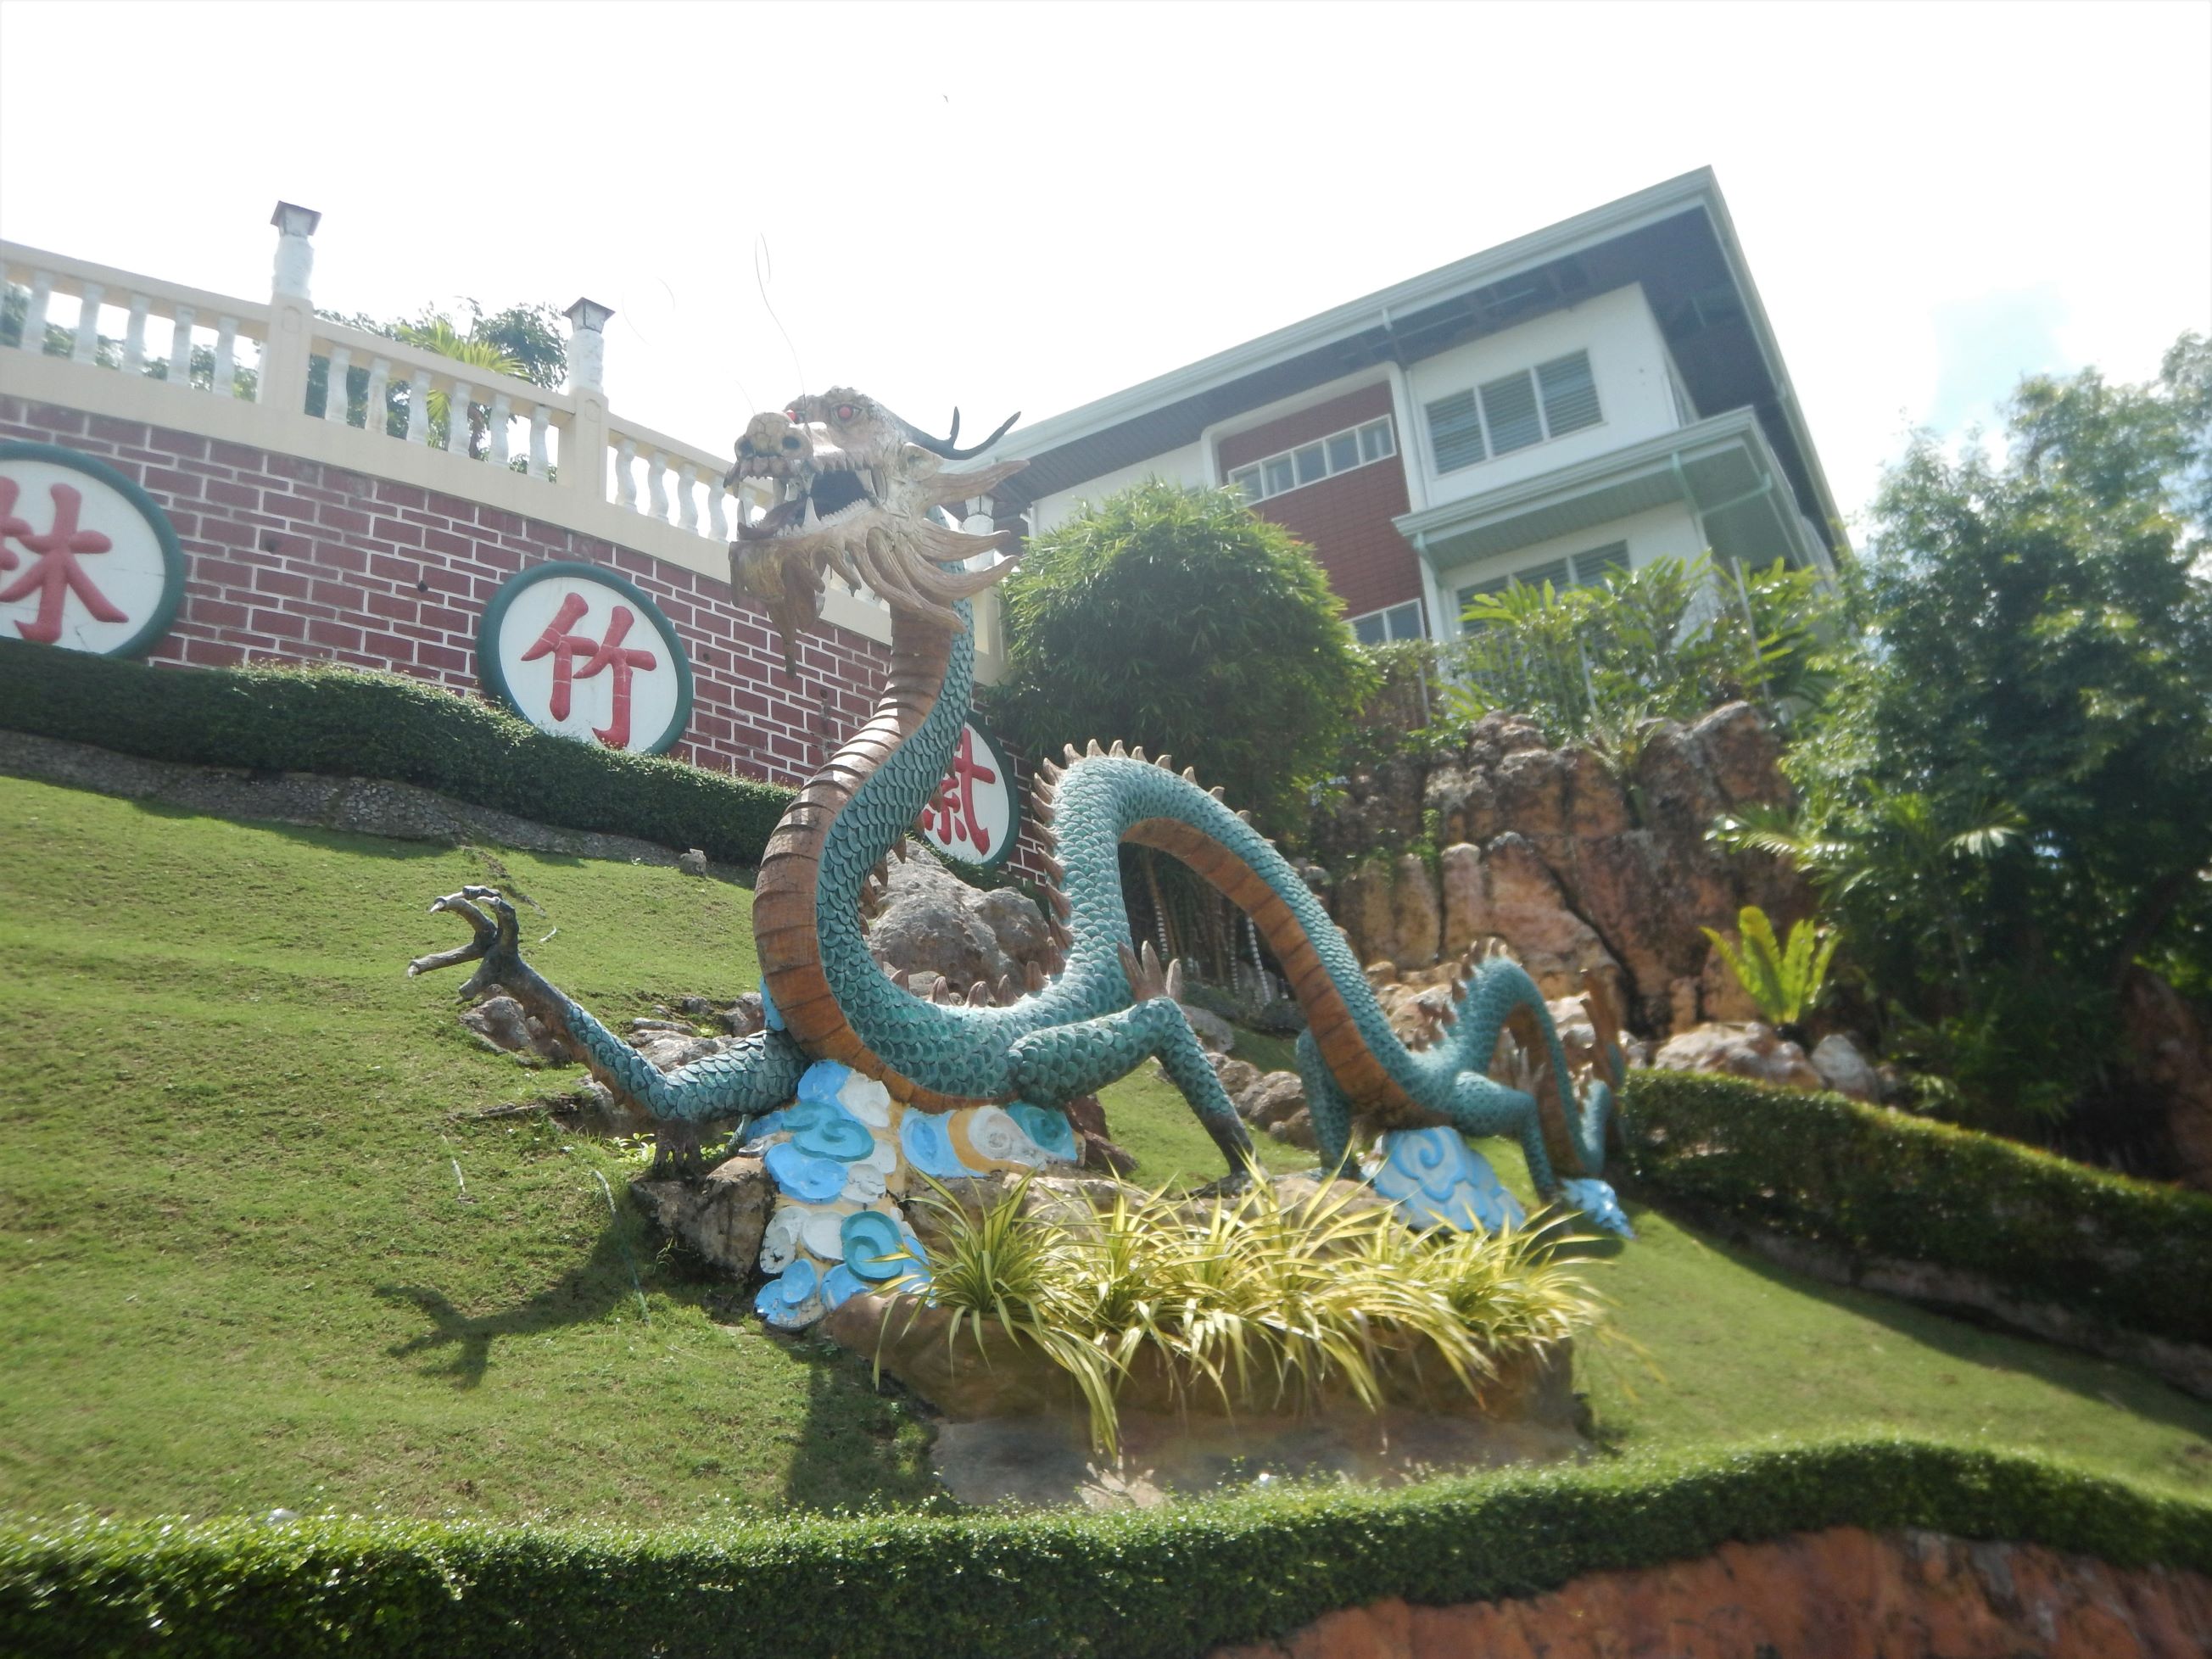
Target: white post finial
column 295, row 254
column 588, row 345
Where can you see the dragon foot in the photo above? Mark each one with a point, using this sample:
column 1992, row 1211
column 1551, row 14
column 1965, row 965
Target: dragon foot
column 495, row 947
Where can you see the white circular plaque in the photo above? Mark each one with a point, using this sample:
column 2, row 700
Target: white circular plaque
column 88, row 561
column 578, row 651
column 972, row 817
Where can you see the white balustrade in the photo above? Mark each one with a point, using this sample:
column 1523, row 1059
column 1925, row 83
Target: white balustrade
column 134, row 335
column 86, row 349
column 181, row 347
column 718, row 523
column 33, row 339
column 687, row 499
column 539, row 467
column 457, row 417
column 376, row 417
column 418, row 408
column 625, row 479
column 334, row 389
column 656, row 481
column 226, row 360
column 502, row 411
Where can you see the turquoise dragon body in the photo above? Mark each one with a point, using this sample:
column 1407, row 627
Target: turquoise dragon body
column 851, row 488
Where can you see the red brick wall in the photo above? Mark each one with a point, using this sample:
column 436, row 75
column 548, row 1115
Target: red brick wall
column 1346, row 520
column 290, row 559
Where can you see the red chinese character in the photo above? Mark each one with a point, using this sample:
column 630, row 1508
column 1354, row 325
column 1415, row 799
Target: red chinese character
column 607, row 654
column 56, row 574
column 954, row 805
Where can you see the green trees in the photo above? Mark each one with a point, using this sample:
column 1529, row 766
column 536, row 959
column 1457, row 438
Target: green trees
column 2010, row 797
column 523, row 340
column 1177, row 619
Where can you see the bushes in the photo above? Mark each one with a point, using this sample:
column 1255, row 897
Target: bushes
column 1155, row 1583
column 2131, row 1255
column 315, row 718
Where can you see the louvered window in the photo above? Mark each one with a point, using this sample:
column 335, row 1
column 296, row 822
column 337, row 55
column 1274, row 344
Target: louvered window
column 1340, row 452
column 1456, row 432
column 1577, row 570
column 1509, row 409
column 1514, row 411
column 1569, row 393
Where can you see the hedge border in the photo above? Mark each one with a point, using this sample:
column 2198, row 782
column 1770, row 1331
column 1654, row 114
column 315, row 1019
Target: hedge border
column 359, row 723
column 1149, row 1583
column 2127, row 1254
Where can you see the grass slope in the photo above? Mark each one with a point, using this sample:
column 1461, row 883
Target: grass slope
column 254, row 1252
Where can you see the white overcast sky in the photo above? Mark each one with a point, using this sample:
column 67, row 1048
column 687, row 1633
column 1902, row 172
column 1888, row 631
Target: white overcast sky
column 1031, row 206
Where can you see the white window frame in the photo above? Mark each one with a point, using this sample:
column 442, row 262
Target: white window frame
column 1473, row 393
column 1384, row 616
column 1252, row 478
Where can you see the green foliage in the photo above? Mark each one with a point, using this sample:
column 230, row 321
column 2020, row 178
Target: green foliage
column 1881, row 1183
column 354, row 723
column 1151, row 1585
column 2008, row 798
column 1670, row 638
column 1784, row 981
column 525, row 341
column 1261, row 1305
column 1180, row 620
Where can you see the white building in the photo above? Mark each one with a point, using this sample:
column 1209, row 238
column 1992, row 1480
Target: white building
column 1605, row 391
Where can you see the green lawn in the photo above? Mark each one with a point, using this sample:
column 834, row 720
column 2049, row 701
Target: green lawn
column 254, row 1252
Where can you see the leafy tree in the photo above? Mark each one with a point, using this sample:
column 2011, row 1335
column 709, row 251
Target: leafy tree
column 523, row 341
column 1178, row 619
column 2017, row 773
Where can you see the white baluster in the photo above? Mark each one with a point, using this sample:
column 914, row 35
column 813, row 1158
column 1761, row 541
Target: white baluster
column 181, row 348
column 377, row 418
column 134, row 337
column 538, row 465
column 687, row 499
column 418, row 408
column 502, row 411
column 457, row 417
column 35, row 313
column 718, row 525
column 334, row 394
column 87, row 325
column 625, row 479
column 656, row 485
column 226, row 358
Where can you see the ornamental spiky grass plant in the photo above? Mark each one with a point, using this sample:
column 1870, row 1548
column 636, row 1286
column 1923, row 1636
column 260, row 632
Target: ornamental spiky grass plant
column 1258, row 1304
column 1785, row 982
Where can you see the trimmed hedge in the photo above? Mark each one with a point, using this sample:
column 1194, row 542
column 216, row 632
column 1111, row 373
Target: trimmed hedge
column 1146, row 1584
column 354, row 723
column 2132, row 1254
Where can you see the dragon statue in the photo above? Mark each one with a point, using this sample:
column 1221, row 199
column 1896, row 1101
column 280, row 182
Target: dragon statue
column 853, row 489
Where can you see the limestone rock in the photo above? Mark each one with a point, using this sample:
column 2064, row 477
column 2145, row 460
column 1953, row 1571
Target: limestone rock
column 1720, row 996
column 1364, row 911
column 1297, row 1130
column 691, row 862
column 1214, row 1034
column 1507, row 891
column 720, row 1216
column 2169, row 1055
column 1746, row 1051
column 1416, row 920
column 1015, row 922
column 500, row 1023
column 1236, row 1075
column 1275, row 1096
column 932, row 922
column 1844, row 1069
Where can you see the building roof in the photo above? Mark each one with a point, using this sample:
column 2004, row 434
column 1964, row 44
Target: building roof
column 1675, row 238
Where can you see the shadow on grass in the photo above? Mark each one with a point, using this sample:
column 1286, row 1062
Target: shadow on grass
column 858, row 1448
column 588, row 1291
column 2108, row 1382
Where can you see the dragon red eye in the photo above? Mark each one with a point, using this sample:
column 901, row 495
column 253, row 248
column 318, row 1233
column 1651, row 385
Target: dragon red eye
column 846, row 411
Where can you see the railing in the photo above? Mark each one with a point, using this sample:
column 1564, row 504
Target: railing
column 276, row 374
column 133, row 324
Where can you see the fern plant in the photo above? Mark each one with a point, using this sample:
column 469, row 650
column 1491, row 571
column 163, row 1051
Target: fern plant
column 1784, row 980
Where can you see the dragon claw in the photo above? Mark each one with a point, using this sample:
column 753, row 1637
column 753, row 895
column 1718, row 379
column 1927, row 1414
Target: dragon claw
column 493, row 941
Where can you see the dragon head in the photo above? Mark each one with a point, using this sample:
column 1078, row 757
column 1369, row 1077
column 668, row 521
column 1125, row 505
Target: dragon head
column 853, row 489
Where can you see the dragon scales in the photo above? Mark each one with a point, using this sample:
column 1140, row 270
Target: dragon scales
column 855, row 491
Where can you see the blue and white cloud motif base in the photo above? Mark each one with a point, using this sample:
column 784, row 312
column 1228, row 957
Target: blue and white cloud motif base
column 840, row 1156
column 1437, row 1180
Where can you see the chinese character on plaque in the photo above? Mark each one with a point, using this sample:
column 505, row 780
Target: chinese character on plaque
column 577, row 650
column 88, row 560
column 972, row 817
